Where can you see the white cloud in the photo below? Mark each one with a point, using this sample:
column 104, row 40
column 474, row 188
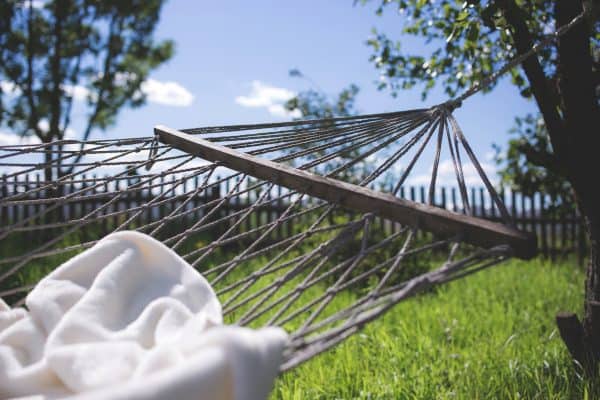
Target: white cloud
column 34, row 4
column 9, row 88
column 168, row 93
column 263, row 95
column 44, row 126
column 78, row 92
column 280, row 111
column 270, row 97
column 419, row 180
column 11, row 139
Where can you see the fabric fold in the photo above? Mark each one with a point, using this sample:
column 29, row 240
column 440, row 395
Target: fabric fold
column 129, row 318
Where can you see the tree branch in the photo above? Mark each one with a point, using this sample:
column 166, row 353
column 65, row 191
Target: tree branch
column 540, row 87
column 33, row 118
column 582, row 117
column 576, row 77
column 76, row 70
column 106, row 77
column 55, row 73
column 69, row 104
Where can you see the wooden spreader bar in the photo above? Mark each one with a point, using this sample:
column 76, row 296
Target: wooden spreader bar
column 476, row 231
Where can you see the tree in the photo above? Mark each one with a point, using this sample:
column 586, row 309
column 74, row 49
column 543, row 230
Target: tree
column 472, row 38
column 314, row 103
column 54, row 51
column 521, row 166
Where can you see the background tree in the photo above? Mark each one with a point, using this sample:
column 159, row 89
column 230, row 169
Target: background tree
column 521, row 168
column 471, row 39
column 53, row 51
column 314, row 103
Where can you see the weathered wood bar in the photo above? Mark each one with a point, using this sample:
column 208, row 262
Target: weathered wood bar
column 439, row 221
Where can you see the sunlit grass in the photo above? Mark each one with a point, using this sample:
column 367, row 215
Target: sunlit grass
column 491, row 335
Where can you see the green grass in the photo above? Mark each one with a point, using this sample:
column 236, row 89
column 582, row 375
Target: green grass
column 491, row 335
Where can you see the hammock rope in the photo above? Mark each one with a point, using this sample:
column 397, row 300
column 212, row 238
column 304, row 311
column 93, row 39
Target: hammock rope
column 331, row 271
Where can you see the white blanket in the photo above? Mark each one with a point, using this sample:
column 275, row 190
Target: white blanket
column 130, row 319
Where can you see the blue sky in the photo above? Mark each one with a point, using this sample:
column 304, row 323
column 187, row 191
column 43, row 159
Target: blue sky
column 224, row 46
column 232, row 61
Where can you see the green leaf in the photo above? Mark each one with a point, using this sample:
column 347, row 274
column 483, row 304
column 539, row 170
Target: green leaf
column 473, row 32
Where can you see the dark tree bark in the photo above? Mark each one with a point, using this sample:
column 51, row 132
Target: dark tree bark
column 581, row 158
column 545, row 97
column 572, row 119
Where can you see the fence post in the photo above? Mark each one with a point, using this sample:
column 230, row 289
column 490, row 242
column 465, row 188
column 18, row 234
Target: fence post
column 106, row 209
column 453, row 195
column 443, row 198
column 573, row 221
column 195, row 201
column 553, row 248
column 139, row 200
column 482, row 201
column 532, row 213
column 281, row 230
column 82, row 205
column 564, row 228
column 523, row 212
column 27, row 208
column 581, row 247
column 473, row 202
column 38, row 207
column 161, row 208
column 15, row 208
column 503, row 198
column 544, row 219
column 4, row 210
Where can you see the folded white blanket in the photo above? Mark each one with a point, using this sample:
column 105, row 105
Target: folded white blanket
column 130, row 319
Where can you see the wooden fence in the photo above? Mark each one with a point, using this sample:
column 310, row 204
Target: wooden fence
column 559, row 229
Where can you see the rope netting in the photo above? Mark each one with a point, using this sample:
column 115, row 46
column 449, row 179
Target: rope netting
column 297, row 224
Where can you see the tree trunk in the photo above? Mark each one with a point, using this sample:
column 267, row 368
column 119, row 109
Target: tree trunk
column 591, row 321
column 579, row 154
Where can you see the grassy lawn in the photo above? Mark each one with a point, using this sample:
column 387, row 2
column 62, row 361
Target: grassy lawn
column 491, row 335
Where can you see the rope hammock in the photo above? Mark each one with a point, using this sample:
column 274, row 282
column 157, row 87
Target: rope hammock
column 330, row 273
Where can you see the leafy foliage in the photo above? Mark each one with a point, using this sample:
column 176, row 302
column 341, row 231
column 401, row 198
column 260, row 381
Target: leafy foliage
column 521, row 163
column 470, row 39
column 518, row 170
column 316, row 104
column 53, row 51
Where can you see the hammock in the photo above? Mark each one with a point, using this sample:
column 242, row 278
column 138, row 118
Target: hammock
column 331, row 273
